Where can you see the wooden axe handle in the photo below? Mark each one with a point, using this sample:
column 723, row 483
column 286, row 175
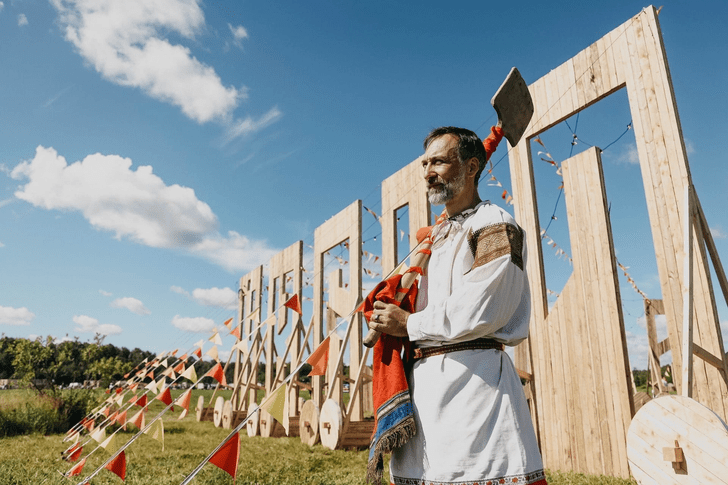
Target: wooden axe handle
column 420, row 259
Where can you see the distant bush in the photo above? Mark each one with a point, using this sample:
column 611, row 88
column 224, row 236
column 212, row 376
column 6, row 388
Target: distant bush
column 46, row 413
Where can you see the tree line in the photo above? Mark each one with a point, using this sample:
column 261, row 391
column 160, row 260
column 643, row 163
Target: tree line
column 49, row 362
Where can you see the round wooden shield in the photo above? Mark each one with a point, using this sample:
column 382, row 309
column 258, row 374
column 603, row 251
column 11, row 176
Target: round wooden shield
column 308, row 423
column 227, row 415
column 330, row 423
column 200, row 407
column 217, row 416
column 267, row 424
column 676, row 440
column 252, row 421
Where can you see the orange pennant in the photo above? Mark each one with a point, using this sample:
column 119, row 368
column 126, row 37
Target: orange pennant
column 121, row 419
column 138, row 419
column 228, row 322
column 319, row 359
column 226, row 458
column 118, row 465
column 179, row 368
column 184, row 401
column 76, row 469
column 294, row 304
column 166, row 397
column 236, row 332
column 75, row 453
column 218, row 374
column 198, row 353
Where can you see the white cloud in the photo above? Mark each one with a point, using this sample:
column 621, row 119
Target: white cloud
column 89, row 324
column 15, row 316
column 1, row 244
column 5, row 202
column 239, row 33
column 2, row 5
column 124, row 41
column 718, row 233
column 249, row 125
column 216, row 297
column 131, row 304
column 180, row 290
column 628, row 155
column 193, row 324
column 22, row 20
column 136, row 204
column 105, row 293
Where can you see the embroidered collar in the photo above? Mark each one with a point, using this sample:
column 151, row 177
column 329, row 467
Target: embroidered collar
column 461, row 217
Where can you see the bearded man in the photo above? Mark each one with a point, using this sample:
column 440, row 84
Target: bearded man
column 472, row 418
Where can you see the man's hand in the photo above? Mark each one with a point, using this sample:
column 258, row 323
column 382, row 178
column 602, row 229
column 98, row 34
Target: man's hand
column 389, row 319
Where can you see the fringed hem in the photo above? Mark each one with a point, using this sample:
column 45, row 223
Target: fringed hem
column 537, row 477
column 388, row 441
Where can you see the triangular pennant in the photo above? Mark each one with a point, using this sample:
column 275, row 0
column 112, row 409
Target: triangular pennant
column 109, row 444
column 276, row 404
column 228, row 323
column 255, row 316
column 242, row 346
column 294, row 304
column 118, row 465
column 121, row 419
column 156, row 431
column 119, row 399
column 151, row 375
column 199, row 343
column 138, row 419
column 218, row 374
column 198, row 352
column 216, row 338
column 184, row 402
column 76, row 469
column 75, row 453
column 319, row 358
column 226, row 458
column 87, row 423
column 152, row 386
column 271, row 320
column 133, row 387
column 99, row 435
column 166, row 397
column 190, row 374
column 164, row 363
column 142, row 401
column 236, row 332
column 213, row 353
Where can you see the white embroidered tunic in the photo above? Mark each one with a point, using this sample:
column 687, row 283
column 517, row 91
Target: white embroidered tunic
column 473, row 422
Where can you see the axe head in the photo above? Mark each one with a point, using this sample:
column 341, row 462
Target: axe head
column 514, row 106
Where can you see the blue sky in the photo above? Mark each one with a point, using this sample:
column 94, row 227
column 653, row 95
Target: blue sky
column 152, row 152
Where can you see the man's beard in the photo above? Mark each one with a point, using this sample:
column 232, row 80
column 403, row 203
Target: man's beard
column 445, row 192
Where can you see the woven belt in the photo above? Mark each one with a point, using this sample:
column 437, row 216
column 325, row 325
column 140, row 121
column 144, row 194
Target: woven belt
column 480, row 343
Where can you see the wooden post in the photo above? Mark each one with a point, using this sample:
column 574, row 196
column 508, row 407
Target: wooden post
column 687, row 343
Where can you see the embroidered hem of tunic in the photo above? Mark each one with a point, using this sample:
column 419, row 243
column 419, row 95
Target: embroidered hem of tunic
column 534, row 478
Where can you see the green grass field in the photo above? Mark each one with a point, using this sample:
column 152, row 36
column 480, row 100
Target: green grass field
column 35, row 458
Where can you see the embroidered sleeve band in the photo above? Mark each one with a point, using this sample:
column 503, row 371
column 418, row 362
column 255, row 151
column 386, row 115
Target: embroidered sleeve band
column 494, row 241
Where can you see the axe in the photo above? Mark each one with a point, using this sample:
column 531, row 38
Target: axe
column 514, row 106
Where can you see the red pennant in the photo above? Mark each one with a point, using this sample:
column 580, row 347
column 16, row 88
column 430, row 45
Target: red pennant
column 121, row 419
column 76, row 469
column 108, row 391
column 294, row 304
column 142, row 401
column 74, row 453
column 118, row 465
column 226, row 458
column 184, row 401
column 118, row 390
column 236, row 332
column 217, row 373
column 319, row 359
column 198, row 353
column 166, row 397
column 179, row 368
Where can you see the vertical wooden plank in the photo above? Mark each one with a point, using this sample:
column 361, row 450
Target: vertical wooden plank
column 686, row 389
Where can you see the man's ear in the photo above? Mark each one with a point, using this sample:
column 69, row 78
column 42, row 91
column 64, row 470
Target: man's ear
column 472, row 166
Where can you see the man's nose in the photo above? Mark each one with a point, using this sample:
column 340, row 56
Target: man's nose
column 428, row 171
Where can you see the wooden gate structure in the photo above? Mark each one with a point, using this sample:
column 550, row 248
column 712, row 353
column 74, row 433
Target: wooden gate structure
column 576, row 352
